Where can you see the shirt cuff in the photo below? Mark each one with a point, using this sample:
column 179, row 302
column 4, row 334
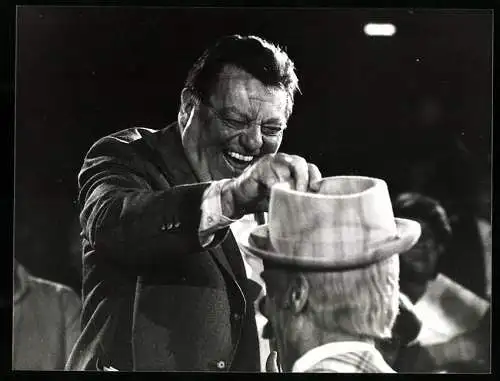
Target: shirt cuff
column 212, row 218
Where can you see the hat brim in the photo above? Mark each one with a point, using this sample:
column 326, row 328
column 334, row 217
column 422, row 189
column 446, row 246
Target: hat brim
column 408, row 233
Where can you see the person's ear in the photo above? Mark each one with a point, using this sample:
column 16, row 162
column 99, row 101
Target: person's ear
column 186, row 110
column 298, row 294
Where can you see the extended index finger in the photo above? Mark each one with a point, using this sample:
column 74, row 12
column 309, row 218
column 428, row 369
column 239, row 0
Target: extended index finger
column 300, row 173
column 314, row 177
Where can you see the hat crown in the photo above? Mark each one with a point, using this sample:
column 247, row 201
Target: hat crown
column 346, row 218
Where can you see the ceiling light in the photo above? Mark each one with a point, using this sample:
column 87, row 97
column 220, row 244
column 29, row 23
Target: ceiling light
column 385, row 30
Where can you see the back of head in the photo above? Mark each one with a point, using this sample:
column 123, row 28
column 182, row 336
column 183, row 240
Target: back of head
column 265, row 61
column 362, row 303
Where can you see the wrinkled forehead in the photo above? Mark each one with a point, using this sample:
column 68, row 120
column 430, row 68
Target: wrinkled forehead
column 237, row 88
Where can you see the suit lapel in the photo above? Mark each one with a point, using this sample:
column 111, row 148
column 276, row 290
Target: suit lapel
column 219, row 254
column 229, row 253
column 169, row 154
column 232, row 252
column 166, row 145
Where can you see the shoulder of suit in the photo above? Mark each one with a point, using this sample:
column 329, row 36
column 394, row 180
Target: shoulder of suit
column 131, row 135
column 120, row 141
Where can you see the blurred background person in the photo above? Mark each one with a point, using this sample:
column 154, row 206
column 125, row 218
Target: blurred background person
column 469, row 352
column 460, row 181
column 420, row 264
column 46, row 322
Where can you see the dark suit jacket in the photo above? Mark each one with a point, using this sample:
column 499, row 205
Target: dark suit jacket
column 154, row 299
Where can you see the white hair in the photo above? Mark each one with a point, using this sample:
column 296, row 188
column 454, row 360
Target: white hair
column 361, row 302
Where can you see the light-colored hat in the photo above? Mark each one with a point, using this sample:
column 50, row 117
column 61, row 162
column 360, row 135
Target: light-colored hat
column 349, row 224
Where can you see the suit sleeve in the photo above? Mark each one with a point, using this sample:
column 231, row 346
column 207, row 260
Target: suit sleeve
column 124, row 218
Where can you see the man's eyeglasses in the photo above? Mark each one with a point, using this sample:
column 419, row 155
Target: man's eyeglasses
column 241, row 123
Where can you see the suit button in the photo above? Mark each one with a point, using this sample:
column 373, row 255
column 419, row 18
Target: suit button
column 163, row 227
column 169, row 226
column 236, row 316
column 221, row 364
column 177, row 224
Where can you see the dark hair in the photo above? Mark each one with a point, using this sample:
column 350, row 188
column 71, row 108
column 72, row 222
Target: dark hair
column 265, row 61
column 426, row 209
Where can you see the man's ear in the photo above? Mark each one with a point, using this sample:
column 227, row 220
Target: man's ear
column 298, row 293
column 187, row 107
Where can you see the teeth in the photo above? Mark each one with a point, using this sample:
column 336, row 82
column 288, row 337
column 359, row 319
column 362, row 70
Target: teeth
column 239, row 156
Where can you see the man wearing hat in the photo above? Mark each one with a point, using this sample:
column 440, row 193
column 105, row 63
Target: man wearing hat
column 332, row 273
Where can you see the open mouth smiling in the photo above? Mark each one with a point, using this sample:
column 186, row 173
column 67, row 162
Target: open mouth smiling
column 238, row 160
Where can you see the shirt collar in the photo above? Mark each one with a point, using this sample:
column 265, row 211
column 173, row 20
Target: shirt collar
column 315, row 355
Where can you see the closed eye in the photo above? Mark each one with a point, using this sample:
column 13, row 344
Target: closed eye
column 234, row 123
column 272, row 130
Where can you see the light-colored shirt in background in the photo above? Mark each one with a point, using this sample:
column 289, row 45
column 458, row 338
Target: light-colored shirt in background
column 485, row 232
column 46, row 322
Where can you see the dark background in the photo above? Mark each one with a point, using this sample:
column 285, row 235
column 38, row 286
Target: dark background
column 415, row 108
